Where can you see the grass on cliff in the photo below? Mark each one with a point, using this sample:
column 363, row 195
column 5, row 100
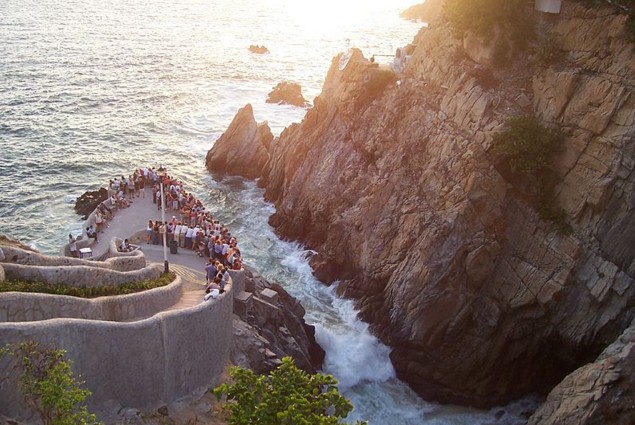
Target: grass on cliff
column 100, row 291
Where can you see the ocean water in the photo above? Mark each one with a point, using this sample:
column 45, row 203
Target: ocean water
column 90, row 89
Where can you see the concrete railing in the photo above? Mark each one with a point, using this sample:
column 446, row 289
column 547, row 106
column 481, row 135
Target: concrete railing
column 31, row 307
column 79, row 276
column 142, row 364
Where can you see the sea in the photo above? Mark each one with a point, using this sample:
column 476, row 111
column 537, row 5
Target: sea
column 92, row 89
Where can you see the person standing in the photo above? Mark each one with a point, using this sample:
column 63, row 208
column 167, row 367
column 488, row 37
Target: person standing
column 158, row 198
column 72, row 245
column 210, row 271
column 149, row 231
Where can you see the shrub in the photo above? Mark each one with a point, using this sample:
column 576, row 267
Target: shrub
column 485, row 78
column 527, row 144
column 48, row 386
column 287, row 396
column 529, row 147
column 93, row 292
column 483, row 17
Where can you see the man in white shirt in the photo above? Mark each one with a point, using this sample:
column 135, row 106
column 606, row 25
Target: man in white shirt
column 188, row 237
column 182, row 235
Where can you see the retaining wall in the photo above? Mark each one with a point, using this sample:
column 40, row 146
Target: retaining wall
column 80, row 276
column 141, row 364
column 30, row 307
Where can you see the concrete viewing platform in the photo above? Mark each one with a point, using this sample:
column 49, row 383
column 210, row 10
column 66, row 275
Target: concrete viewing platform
column 130, row 221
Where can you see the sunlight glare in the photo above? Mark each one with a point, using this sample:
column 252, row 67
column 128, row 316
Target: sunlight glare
column 334, row 17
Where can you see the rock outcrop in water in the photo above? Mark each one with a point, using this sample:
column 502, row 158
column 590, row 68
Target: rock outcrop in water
column 390, row 179
column 288, row 93
column 261, row 50
column 87, row 203
column 243, row 149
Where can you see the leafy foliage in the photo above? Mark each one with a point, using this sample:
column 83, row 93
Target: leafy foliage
column 485, row 17
column 93, row 292
column 287, row 396
column 482, row 16
column 485, row 78
column 48, row 386
column 529, row 147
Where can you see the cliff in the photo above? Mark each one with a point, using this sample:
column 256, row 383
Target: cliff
column 597, row 393
column 390, row 178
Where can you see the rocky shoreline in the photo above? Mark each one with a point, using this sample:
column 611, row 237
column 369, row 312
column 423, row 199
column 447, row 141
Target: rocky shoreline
column 390, row 178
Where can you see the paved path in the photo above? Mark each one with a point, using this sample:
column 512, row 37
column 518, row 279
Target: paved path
column 129, row 221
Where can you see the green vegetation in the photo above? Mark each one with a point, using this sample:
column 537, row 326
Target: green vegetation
column 48, row 386
column 287, row 396
column 528, row 145
column 485, row 78
column 99, row 291
column 528, row 148
column 485, row 17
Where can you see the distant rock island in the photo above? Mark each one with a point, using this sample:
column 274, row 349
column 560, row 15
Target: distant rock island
column 261, row 50
column 391, row 178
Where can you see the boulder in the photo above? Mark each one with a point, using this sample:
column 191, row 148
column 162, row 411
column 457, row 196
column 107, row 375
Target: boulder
column 243, row 149
column 287, row 92
column 86, row 204
column 597, row 393
column 274, row 328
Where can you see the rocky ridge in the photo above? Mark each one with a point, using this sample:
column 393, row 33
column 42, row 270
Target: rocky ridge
column 243, row 147
column 598, row 392
column 389, row 178
column 271, row 328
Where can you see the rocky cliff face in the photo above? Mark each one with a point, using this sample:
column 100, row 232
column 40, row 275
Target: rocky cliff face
column 389, row 178
column 597, row 393
column 271, row 328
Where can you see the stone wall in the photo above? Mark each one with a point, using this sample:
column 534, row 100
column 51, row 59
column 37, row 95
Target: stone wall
column 31, row 307
column 120, row 268
column 118, row 261
column 141, row 364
